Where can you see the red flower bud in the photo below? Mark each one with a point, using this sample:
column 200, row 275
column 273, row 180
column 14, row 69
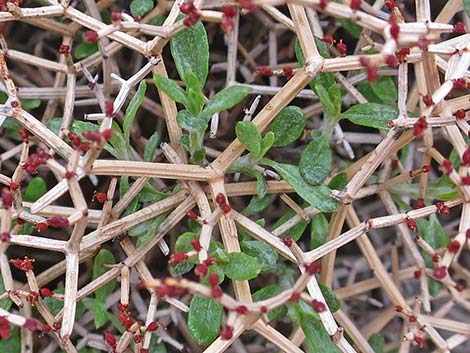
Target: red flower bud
column 342, row 48
column 229, row 10
column 109, row 109
column 24, row 134
column 214, row 279
column 101, row 197
column 191, row 214
column 220, row 199
column 196, row 245
column 241, row 309
column 91, row 36
column 187, row 8
column 439, row 272
column 226, row 333
column 427, row 100
column 288, row 241
column 410, row 223
column 355, row 4
column 46, row 292
column 153, row 326
column 417, row 274
column 64, row 49
column 460, row 114
column 295, row 297
column 7, row 199
column 466, row 157
column 216, row 292
column 453, row 246
column 177, row 258
column 264, row 71
column 41, row 227
column 110, row 339
column 459, row 27
column 314, row 267
column 318, row 306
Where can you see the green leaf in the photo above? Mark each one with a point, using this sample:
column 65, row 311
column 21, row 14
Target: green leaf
column 268, row 292
column 371, row 115
column 385, row 89
column 35, row 189
column 55, row 306
column 5, row 303
column 144, row 228
column 318, row 231
column 104, row 257
column 296, row 231
column 141, row 7
column 13, row 343
column 151, row 146
column 377, row 342
column 29, row 104
column 204, row 319
column 249, row 136
column 225, row 99
column 334, row 304
column 263, row 253
column 317, row 339
column 339, row 181
column 350, row 27
column 257, row 204
column 317, row 196
column 172, row 90
column 99, row 313
column 241, row 266
column 330, row 99
column 84, row 50
column 132, row 108
column 288, row 125
column 267, row 143
column 315, row 161
column 191, row 123
column 194, row 92
column 183, row 243
column 190, row 51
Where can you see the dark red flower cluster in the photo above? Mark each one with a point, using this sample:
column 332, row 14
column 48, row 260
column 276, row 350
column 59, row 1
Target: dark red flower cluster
column 125, row 316
column 342, row 48
column 442, row 208
column 77, row 142
column 101, row 197
column 419, row 126
column 371, row 70
column 24, row 134
column 402, row 54
column 410, row 223
column 427, row 100
column 4, row 328
column 5, row 237
column 355, row 4
column 64, row 49
column 7, row 199
column 247, row 5
column 453, row 246
column 460, row 114
column 192, row 13
column 318, row 306
column 459, row 83
column 222, row 202
column 110, row 340
column 395, row 28
column 90, row 36
column 226, row 332
column 228, row 12
column 264, row 71
column 459, row 27
column 35, row 160
column 177, row 258
column 446, row 167
column 202, row 268
column 439, row 272
column 58, row 222
column 314, row 267
column 390, row 4
column 24, row 265
column 466, row 157
column 97, row 136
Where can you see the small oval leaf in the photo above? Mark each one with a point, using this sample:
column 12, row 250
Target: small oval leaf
column 371, row 115
column 288, row 125
column 204, row 319
column 225, row 99
column 249, row 136
column 315, row 161
column 190, row 51
column 241, row 267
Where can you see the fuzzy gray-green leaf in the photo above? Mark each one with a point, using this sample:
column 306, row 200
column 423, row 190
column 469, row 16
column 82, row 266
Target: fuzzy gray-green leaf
column 315, row 161
column 316, row 195
column 190, row 51
column 371, row 115
column 288, row 125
